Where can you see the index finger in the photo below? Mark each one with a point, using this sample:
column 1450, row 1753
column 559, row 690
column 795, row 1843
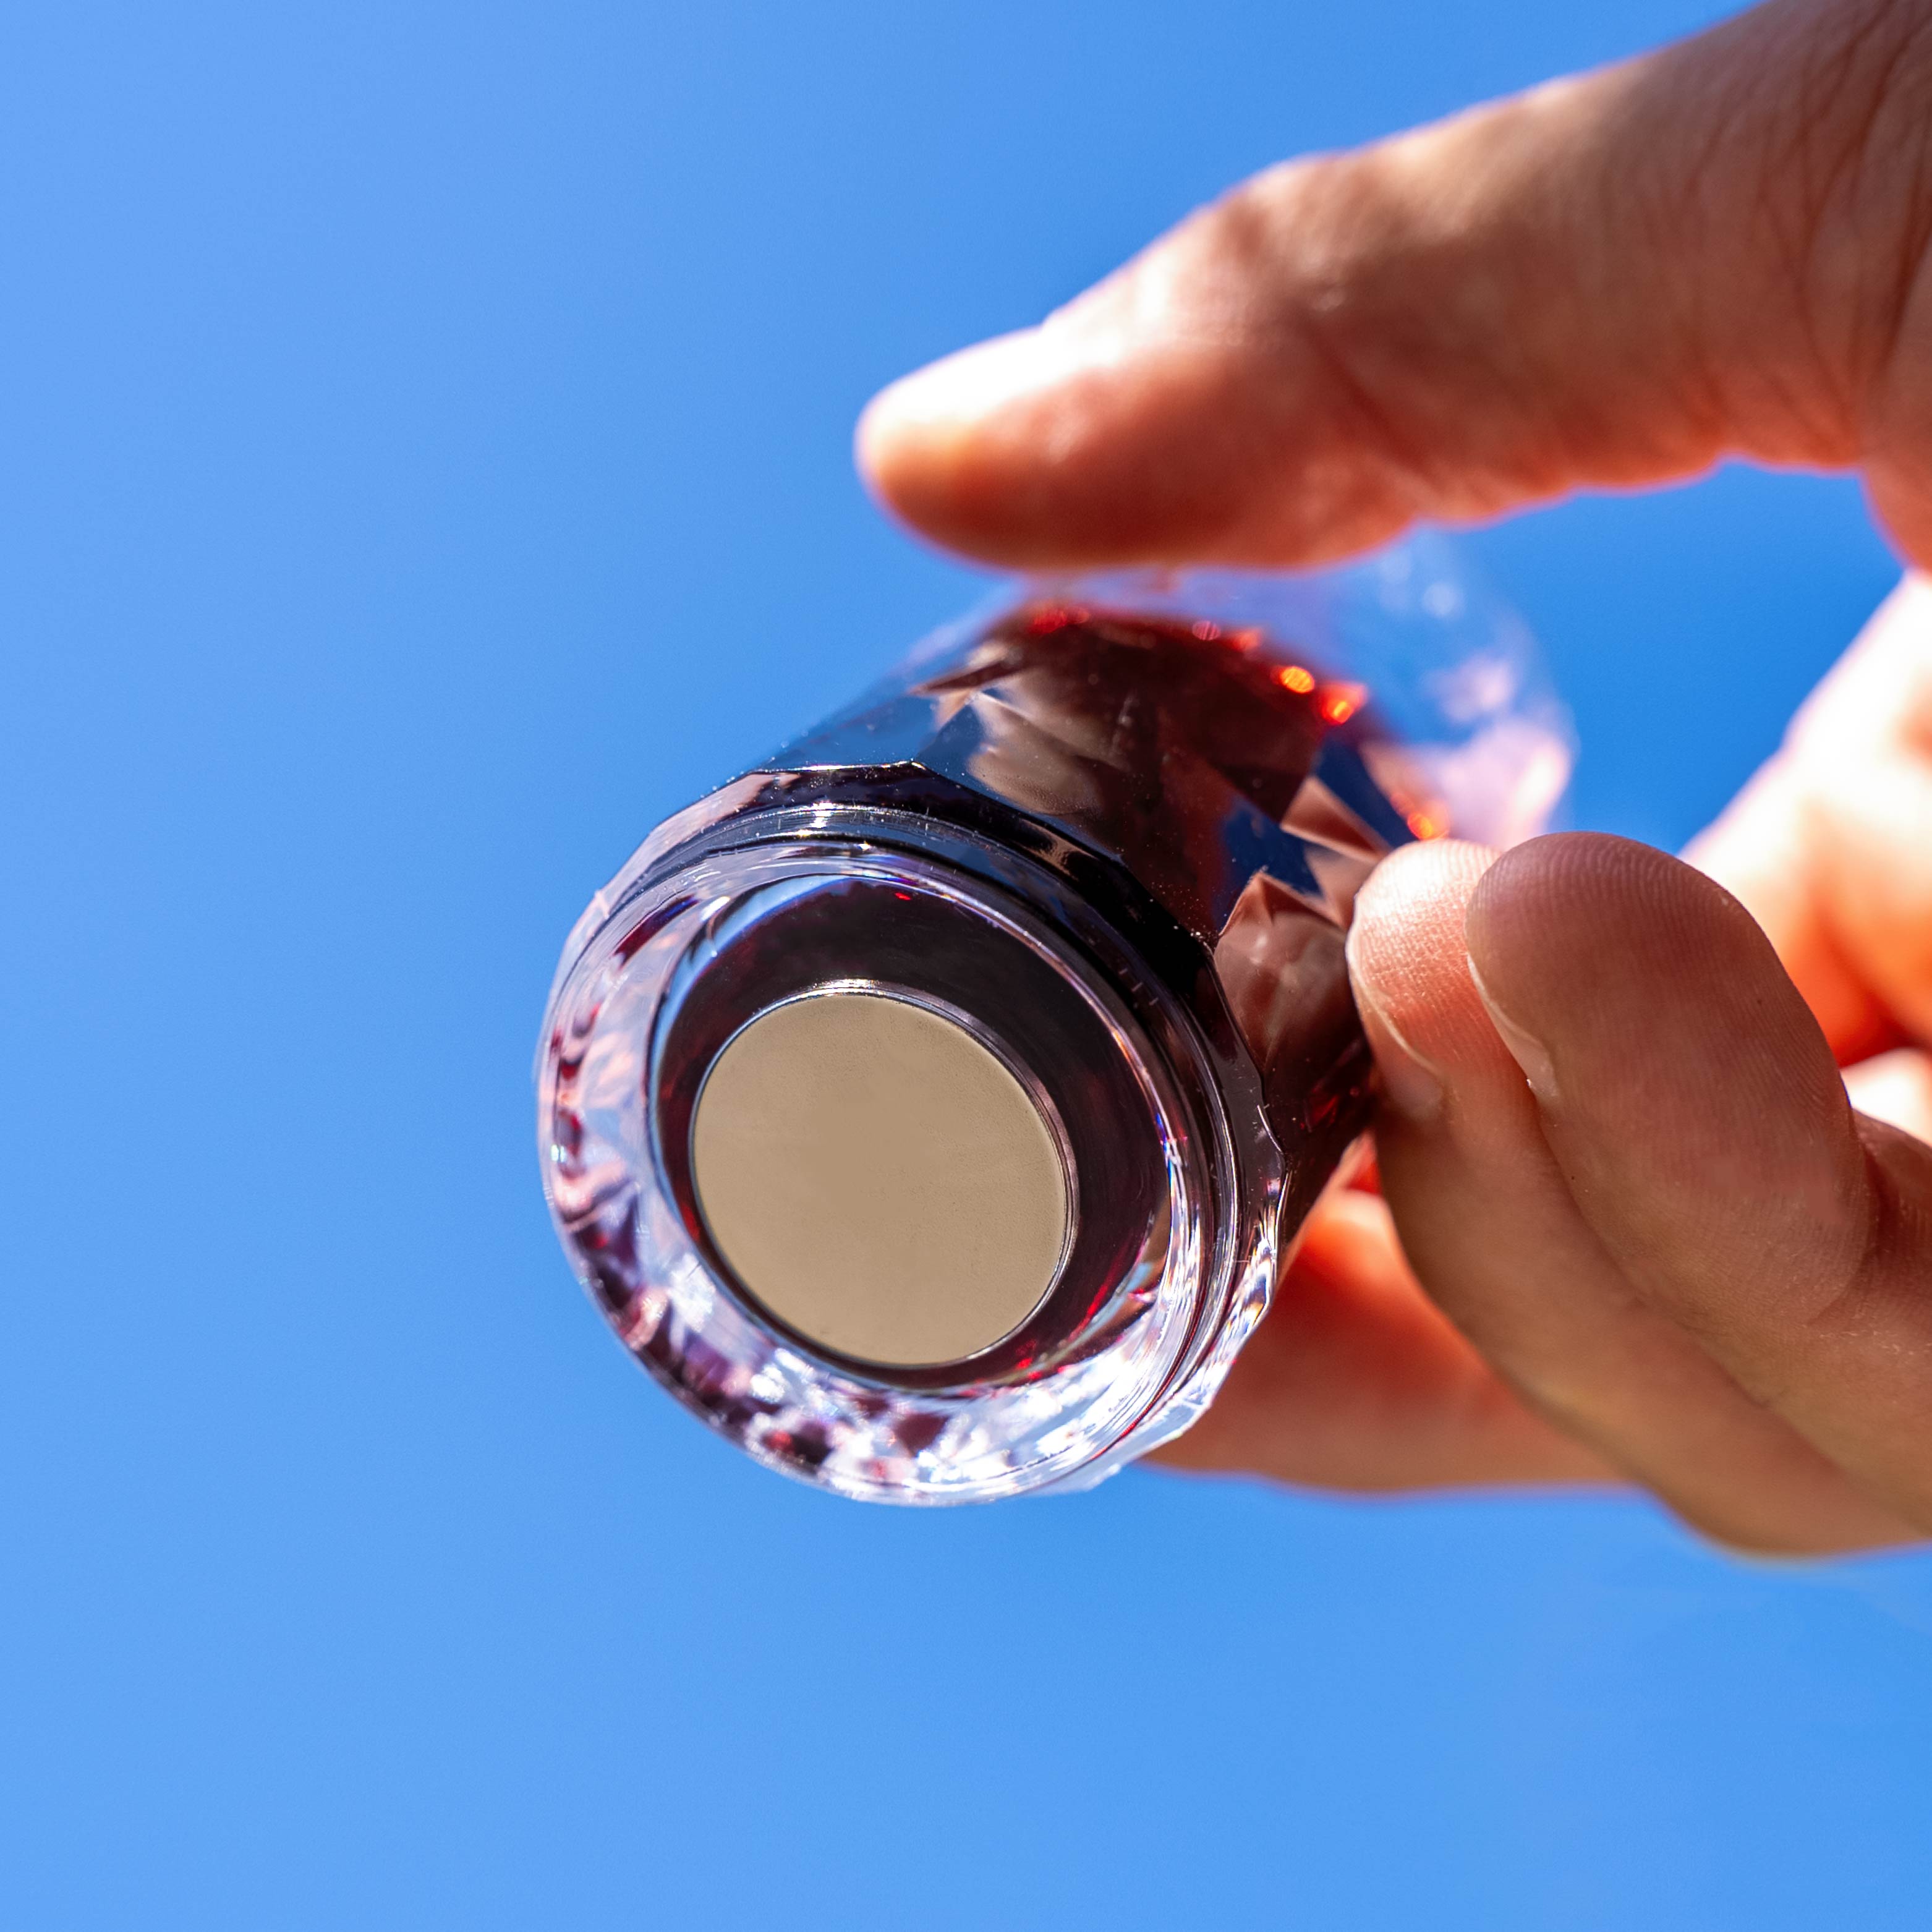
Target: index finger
column 1719, row 249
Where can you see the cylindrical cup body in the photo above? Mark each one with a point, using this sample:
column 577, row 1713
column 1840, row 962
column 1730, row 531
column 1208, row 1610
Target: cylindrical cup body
column 930, row 1108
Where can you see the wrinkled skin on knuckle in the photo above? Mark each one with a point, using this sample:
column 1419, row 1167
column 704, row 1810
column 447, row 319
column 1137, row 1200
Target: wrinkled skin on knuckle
column 1786, row 158
column 1230, row 264
column 1850, row 185
column 1861, row 171
column 1260, row 296
column 1344, row 279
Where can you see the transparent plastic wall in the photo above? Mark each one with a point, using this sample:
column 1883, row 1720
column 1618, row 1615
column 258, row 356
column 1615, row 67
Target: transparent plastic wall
column 1477, row 735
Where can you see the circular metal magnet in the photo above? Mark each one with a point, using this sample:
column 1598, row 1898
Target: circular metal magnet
column 879, row 1179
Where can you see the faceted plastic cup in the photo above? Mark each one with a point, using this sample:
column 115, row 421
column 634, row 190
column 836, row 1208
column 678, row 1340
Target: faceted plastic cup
column 930, row 1108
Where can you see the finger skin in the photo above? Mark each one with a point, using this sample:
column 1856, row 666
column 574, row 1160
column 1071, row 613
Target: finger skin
column 1701, row 1125
column 1718, row 249
column 1492, row 1222
column 1356, row 1382
column 1830, row 845
column 1896, row 1088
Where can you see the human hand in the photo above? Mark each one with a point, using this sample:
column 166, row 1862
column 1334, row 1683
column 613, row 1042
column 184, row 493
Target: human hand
column 1616, row 1143
column 1657, row 1242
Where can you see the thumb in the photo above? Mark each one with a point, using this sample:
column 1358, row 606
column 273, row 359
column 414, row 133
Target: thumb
column 1720, row 249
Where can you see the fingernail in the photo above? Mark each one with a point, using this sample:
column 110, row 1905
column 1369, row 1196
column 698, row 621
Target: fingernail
column 1410, row 1085
column 1528, row 1052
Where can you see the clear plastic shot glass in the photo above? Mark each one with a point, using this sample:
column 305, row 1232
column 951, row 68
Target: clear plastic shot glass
column 931, row 1109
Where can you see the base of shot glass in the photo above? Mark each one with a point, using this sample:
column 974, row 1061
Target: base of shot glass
column 1104, row 839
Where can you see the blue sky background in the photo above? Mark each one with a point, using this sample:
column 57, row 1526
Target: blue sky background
column 424, row 463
